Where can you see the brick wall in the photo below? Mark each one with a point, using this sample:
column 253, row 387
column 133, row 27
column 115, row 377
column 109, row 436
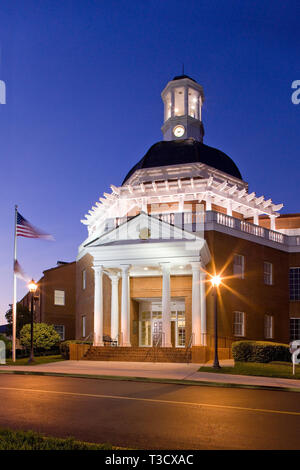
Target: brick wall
column 249, row 295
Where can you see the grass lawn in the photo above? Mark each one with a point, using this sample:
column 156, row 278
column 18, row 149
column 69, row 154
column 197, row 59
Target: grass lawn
column 37, row 360
column 29, row 440
column 272, row 369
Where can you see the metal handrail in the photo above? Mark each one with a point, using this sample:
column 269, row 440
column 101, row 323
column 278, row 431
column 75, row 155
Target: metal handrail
column 88, row 336
column 189, row 346
column 155, row 346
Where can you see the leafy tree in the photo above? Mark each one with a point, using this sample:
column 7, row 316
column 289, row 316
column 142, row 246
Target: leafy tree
column 23, row 317
column 44, row 336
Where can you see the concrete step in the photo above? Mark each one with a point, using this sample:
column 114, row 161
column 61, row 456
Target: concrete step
column 134, row 354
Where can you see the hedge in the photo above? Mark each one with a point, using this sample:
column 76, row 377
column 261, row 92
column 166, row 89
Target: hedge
column 260, row 351
column 65, row 347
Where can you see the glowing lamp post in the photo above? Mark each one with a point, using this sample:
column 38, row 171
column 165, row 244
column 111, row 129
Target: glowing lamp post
column 32, row 286
column 216, row 280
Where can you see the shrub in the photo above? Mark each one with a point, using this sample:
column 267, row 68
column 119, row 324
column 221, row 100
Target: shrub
column 65, row 347
column 260, row 351
column 7, row 342
column 45, row 336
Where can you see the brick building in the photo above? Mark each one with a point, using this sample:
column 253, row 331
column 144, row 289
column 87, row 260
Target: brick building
column 55, row 299
column 182, row 215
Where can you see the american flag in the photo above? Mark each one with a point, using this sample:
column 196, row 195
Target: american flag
column 25, row 229
column 20, row 273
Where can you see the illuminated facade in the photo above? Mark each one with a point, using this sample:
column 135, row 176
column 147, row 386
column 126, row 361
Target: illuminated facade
column 183, row 213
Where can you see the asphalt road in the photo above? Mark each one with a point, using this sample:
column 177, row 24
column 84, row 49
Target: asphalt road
column 151, row 415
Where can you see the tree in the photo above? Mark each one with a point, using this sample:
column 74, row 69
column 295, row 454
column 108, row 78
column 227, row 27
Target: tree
column 23, row 317
column 44, row 336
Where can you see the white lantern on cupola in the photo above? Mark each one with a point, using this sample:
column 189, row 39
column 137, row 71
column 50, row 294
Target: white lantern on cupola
column 183, row 99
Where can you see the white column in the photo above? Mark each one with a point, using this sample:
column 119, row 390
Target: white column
column 181, row 203
column 229, row 208
column 255, row 218
column 125, row 308
column 98, row 306
column 144, row 206
column 186, row 100
column 208, row 202
column 203, row 308
column 200, row 107
column 114, row 311
column 196, row 315
column 172, row 102
column 272, row 222
column 166, row 305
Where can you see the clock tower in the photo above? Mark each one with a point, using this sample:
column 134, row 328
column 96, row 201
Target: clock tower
column 183, row 98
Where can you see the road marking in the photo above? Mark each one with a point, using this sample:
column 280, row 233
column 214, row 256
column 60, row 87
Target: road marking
column 152, row 400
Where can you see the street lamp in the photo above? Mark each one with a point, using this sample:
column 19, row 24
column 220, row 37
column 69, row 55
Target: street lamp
column 32, row 286
column 216, row 281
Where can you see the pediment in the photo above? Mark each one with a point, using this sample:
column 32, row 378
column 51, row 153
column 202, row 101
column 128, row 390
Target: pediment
column 144, row 228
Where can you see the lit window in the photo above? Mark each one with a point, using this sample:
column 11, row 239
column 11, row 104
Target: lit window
column 294, row 328
column 268, row 273
column 193, row 103
column 84, row 279
column 294, row 283
column 269, row 326
column 83, row 326
column 179, row 101
column 239, row 266
column 59, row 297
column 60, row 330
column 239, row 324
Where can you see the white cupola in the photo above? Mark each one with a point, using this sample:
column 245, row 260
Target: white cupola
column 183, row 98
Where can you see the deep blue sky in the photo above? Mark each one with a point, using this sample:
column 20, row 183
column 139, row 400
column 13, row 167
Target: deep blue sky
column 83, row 103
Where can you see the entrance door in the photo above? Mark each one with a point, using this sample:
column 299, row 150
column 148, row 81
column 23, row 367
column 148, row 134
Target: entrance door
column 145, row 329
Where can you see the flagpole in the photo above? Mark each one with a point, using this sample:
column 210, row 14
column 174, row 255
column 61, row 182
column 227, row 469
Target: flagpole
column 14, row 311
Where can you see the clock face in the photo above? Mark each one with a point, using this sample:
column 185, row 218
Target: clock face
column 178, row 131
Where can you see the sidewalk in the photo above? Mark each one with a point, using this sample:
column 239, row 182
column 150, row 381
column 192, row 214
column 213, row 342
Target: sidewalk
column 173, row 371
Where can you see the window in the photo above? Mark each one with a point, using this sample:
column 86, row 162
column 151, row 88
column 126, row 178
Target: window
column 59, row 297
column 268, row 273
column 84, row 279
column 294, row 283
column 269, row 321
column 179, row 101
column 193, row 103
column 239, row 266
column 83, row 326
column 60, row 330
column 239, row 324
column 294, row 328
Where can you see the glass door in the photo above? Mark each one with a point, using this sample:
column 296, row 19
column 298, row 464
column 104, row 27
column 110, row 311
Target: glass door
column 145, row 329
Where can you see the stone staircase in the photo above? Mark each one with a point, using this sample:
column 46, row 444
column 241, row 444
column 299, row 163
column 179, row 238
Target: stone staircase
column 135, row 354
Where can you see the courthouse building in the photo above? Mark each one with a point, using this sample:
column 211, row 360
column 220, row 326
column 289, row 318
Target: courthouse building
column 183, row 214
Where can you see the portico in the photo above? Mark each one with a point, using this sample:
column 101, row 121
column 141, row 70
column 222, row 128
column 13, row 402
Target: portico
column 140, row 270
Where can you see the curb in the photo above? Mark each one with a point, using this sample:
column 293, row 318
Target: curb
column 202, row 383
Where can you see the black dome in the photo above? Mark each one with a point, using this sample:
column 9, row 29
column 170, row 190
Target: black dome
column 176, row 152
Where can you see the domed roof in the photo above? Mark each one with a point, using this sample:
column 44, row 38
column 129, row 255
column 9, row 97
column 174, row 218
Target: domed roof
column 177, row 152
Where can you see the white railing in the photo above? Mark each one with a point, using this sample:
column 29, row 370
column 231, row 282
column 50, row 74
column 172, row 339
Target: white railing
column 225, row 219
column 196, row 221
